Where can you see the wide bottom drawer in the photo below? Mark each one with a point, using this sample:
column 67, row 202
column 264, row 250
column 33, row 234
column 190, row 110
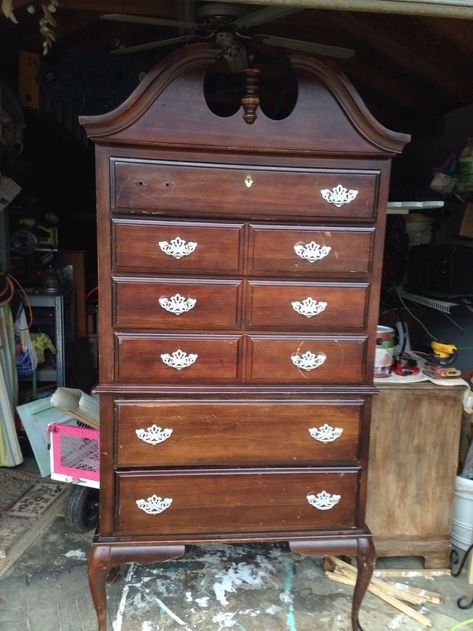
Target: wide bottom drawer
column 235, row 433
column 252, row 501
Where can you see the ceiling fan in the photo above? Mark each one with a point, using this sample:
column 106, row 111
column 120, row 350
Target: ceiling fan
column 228, row 25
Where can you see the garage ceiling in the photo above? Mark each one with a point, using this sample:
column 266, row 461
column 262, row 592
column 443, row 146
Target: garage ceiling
column 407, row 65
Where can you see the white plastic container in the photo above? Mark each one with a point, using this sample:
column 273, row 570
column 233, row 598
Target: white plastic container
column 462, row 525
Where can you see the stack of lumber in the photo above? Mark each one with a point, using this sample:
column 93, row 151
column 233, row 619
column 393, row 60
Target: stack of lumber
column 399, row 595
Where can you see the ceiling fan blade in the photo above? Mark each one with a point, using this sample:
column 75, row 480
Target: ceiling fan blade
column 310, row 47
column 142, row 19
column 157, row 44
column 263, row 15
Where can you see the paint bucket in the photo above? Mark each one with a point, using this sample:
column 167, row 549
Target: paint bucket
column 462, row 523
column 384, row 355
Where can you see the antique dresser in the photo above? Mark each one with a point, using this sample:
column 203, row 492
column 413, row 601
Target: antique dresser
column 239, row 263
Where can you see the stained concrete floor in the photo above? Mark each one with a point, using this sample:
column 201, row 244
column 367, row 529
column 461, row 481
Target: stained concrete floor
column 212, row 588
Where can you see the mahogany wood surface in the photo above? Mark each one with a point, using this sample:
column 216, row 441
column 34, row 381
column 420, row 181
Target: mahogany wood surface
column 206, row 433
column 271, row 306
column 137, row 303
column 137, row 247
column 239, row 190
column 272, row 251
column 170, row 172
column 139, row 358
column 235, row 501
column 270, row 359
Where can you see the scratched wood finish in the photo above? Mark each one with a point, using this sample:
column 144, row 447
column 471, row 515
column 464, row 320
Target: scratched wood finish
column 137, row 303
column 270, row 359
column 137, row 247
column 274, row 305
column 139, row 359
column 257, row 198
column 232, row 502
column 272, row 251
column 423, row 422
column 237, row 433
column 240, row 191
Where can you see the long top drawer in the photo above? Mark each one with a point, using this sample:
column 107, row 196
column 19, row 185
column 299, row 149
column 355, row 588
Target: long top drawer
column 184, row 188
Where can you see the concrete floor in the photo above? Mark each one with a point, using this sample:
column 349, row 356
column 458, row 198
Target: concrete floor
column 211, row 588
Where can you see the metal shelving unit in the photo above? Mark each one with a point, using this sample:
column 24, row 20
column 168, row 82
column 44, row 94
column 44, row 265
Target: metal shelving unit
column 62, row 306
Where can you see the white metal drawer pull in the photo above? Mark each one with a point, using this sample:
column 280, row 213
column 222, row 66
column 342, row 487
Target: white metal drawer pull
column 154, row 504
column 312, row 251
column 177, row 304
column 323, row 500
column 154, row 434
column 179, row 359
column 339, row 195
column 308, row 360
column 309, row 307
column 177, row 247
column 325, row 433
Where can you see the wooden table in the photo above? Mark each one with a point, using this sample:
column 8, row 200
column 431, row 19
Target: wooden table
column 415, row 435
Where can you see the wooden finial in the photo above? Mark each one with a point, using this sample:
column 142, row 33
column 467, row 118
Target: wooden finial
column 250, row 101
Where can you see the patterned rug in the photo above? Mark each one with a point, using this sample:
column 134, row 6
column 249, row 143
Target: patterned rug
column 28, row 506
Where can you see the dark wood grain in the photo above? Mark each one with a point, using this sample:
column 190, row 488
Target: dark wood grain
column 227, row 501
column 270, row 306
column 239, row 190
column 269, row 359
column 168, row 108
column 139, row 358
column 272, row 251
column 234, row 433
column 168, row 167
column 137, row 247
column 137, row 303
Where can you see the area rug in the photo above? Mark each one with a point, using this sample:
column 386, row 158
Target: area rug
column 28, row 506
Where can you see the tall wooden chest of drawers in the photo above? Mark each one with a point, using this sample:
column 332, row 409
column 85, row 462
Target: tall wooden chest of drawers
column 239, row 283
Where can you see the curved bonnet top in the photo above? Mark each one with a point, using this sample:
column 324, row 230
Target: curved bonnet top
column 169, row 109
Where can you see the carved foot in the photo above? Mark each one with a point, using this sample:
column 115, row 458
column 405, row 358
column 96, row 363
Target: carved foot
column 105, row 559
column 365, row 561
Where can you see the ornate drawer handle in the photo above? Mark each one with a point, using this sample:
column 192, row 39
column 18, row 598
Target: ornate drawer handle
column 312, row 251
column 323, row 500
column 308, row 361
column 325, row 433
column 177, row 247
column 177, row 304
column 339, row 195
column 154, row 504
column 153, row 435
column 309, row 307
column 179, row 359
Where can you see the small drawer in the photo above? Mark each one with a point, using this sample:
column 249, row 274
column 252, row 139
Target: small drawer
column 174, row 304
column 155, row 359
column 199, row 503
column 192, row 434
column 161, row 187
column 307, row 306
column 308, row 252
column 308, row 360
column 181, row 247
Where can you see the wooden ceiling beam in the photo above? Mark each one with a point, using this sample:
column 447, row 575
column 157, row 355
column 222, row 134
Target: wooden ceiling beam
column 163, row 8
column 382, row 83
column 457, row 31
column 404, row 47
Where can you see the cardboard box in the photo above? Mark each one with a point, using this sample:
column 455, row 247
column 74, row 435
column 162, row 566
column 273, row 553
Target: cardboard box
column 466, row 225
